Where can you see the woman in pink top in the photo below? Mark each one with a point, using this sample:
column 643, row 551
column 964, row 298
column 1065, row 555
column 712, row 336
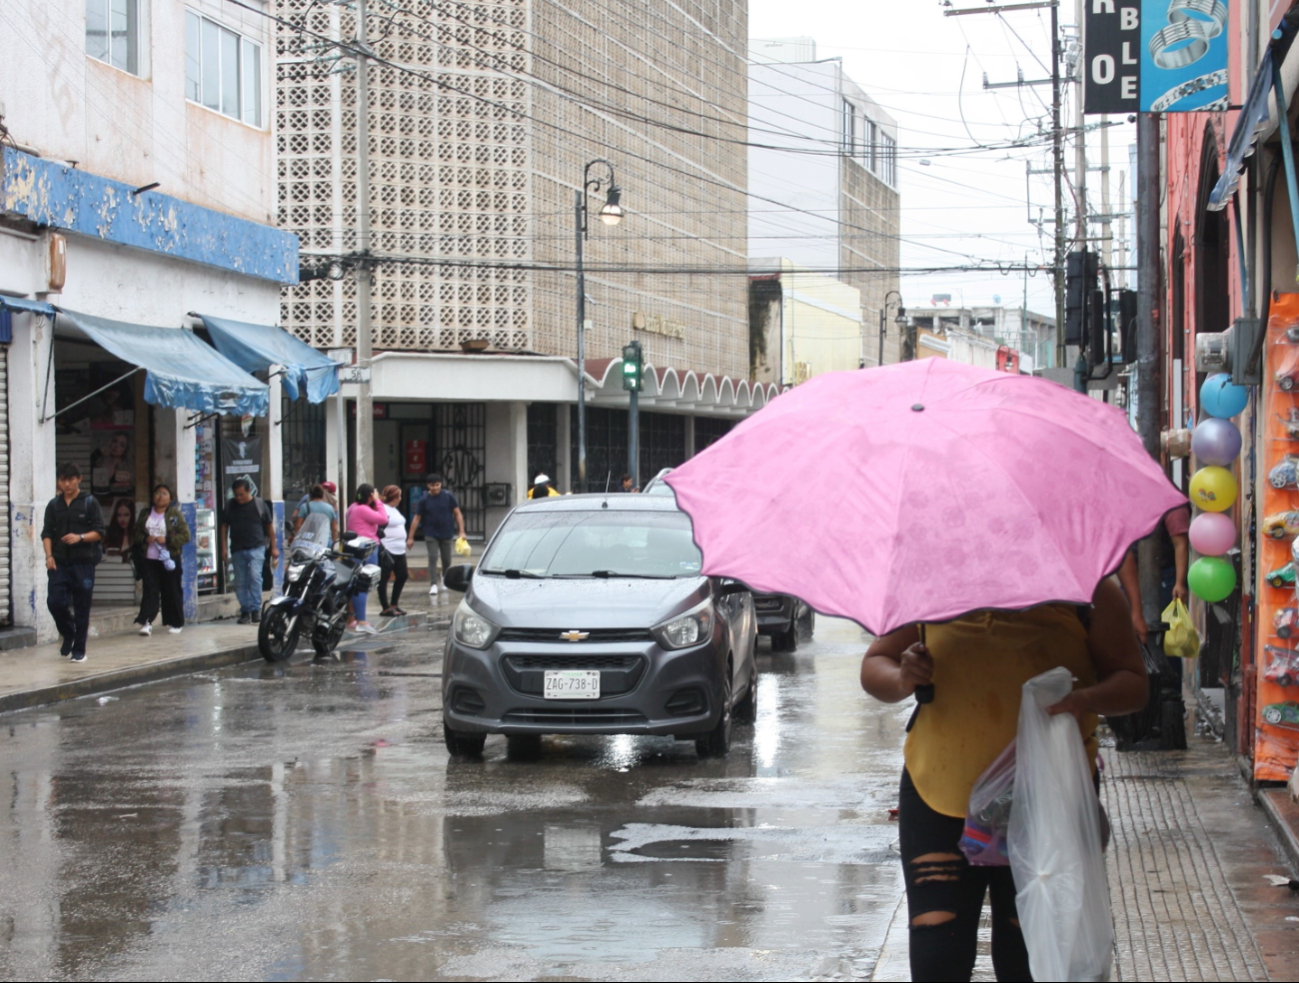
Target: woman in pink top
column 366, row 517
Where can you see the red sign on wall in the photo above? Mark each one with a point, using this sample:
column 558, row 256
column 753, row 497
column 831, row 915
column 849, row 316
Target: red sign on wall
column 416, row 456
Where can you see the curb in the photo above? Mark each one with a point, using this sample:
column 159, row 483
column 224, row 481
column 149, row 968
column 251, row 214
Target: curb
column 1283, row 813
column 155, row 671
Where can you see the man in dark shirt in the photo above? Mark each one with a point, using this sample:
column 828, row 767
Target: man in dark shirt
column 249, row 528
column 71, row 535
column 439, row 512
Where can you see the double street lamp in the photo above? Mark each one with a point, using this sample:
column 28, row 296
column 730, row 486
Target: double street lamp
column 611, row 214
column 900, row 320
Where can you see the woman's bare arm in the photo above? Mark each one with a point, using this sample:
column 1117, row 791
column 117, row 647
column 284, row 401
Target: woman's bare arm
column 1121, row 682
column 895, row 665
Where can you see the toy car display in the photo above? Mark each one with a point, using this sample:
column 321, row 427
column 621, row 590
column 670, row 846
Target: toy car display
column 1283, row 669
column 1283, row 622
column 1279, row 525
column 1287, row 375
column 1282, row 714
column 1282, row 576
column 1291, row 423
column 1284, row 474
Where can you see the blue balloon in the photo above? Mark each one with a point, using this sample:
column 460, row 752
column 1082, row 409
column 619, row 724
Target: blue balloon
column 1216, row 442
column 1221, row 398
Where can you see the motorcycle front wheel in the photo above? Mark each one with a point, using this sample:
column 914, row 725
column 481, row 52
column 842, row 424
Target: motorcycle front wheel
column 277, row 636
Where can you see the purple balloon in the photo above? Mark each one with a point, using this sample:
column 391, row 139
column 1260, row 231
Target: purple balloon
column 1212, row 533
column 1216, row 442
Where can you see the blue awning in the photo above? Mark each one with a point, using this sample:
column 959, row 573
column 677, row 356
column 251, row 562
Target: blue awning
column 256, row 347
column 182, row 371
column 8, row 305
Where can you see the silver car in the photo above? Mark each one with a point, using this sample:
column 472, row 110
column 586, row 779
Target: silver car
column 589, row 614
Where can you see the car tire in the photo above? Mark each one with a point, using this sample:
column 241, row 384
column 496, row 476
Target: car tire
column 1277, row 533
column 1284, row 680
column 1272, row 715
column 806, row 625
column 1285, row 383
column 462, row 744
column 523, row 747
column 746, row 711
column 717, row 742
column 1284, row 631
column 787, row 640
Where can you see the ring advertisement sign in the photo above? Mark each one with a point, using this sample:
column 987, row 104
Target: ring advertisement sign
column 1155, row 56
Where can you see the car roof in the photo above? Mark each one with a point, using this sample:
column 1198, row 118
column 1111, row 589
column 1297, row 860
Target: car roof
column 614, row 502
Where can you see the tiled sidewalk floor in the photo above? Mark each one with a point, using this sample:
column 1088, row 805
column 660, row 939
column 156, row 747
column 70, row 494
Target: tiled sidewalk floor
column 1188, row 867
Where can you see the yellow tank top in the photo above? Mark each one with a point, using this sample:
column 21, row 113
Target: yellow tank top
column 981, row 663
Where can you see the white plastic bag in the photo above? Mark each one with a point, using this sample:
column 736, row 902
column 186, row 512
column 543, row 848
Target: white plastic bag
column 1055, row 842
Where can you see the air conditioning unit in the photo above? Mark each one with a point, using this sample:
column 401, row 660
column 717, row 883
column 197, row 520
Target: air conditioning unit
column 1230, row 351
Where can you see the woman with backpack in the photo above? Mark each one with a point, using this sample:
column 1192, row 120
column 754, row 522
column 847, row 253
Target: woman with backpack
column 161, row 532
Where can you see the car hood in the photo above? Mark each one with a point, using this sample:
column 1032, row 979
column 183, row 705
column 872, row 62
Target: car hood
column 585, row 602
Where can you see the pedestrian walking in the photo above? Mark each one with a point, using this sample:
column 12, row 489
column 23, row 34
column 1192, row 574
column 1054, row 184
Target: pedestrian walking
column 542, row 488
column 439, row 513
column 72, row 535
column 392, row 553
column 317, row 520
column 977, row 666
column 366, row 517
column 247, row 532
column 161, row 532
column 1175, row 552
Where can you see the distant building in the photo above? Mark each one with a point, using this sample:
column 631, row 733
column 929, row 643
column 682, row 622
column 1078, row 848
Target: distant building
column 801, row 324
column 823, row 183
column 1014, row 327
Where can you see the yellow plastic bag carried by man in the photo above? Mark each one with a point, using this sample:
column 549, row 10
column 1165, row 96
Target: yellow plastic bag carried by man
column 462, row 546
column 1181, row 641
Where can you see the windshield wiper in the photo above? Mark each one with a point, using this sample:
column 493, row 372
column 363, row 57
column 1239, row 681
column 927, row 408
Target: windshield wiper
column 514, row 574
column 606, row 574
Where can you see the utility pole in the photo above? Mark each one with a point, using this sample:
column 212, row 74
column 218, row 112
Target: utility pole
column 1148, row 341
column 580, row 214
column 1107, row 240
column 1057, row 156
column 1080, row 142
column 364, row 269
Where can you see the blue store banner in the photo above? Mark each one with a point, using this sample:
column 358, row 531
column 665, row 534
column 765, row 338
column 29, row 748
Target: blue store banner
column 1155, row 56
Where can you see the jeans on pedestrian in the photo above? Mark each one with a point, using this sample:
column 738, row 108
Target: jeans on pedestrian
column 248, row 578
column 436, row 548
column 162, row 589
column 361, row 599
column 395, row 564
column 71, row 586
column 945, row 897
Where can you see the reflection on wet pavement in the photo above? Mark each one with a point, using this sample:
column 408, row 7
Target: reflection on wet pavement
column 305, row 822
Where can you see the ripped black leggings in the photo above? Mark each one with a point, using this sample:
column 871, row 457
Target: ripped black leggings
column 945, row 898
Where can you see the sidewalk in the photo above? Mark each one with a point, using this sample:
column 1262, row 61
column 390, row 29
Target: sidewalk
column 1188, row 870
column 39, row 675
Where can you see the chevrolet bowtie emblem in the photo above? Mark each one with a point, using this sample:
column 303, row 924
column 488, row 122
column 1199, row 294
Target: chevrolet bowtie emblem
column 575, row 636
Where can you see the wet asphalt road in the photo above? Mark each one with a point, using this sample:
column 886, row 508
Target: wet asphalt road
column 307, row 823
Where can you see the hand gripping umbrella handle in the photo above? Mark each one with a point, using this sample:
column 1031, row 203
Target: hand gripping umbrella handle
column 924, row 694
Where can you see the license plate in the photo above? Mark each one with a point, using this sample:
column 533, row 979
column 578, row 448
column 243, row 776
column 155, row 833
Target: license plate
column 572, row 684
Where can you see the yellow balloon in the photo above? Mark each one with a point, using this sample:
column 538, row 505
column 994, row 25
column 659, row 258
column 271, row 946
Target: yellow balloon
column 1213, row 489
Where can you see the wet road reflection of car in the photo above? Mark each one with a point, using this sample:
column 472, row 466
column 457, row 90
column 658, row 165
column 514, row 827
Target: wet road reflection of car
column 589, row 615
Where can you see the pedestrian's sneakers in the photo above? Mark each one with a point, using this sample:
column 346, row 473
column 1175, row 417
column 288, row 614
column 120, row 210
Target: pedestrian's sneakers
column 175, row 631
column 367, row 628
column 245, row 618
column 433, row 588
column 146, row 630
column 78, row 656
column 351, row 626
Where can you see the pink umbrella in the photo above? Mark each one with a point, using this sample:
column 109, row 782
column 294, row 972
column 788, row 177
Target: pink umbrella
column 924, row 491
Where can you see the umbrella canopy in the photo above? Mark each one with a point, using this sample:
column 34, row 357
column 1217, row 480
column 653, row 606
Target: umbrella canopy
column 924, row 491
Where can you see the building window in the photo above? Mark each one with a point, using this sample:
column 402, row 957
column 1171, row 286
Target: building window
column 223, row 71
column 849, row 126
column 113, row 33
column 887, row 168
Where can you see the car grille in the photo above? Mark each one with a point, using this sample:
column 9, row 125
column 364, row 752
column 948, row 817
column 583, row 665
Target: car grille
column 767, row 603
column 618, row 673
column 593, row 635
column 577, row 716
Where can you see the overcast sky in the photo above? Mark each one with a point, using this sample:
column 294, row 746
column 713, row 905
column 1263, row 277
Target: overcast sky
column 927, row 71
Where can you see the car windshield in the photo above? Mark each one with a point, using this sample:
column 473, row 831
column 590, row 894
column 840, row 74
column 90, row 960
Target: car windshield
column 607, row 543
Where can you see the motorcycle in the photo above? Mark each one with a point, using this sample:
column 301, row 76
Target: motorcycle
column 317, row 584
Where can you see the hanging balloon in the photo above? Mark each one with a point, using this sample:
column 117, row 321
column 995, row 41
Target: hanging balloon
column 1212, row 533
column 1211, row 578
column 1216, row 442
column 1213, row 489
column 1220, row 397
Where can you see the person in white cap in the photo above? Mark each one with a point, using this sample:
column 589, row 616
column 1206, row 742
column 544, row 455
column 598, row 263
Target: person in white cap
column 541, row 488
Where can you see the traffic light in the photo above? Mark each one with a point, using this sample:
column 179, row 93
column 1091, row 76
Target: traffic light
column 632, row 367
column 1080, row 281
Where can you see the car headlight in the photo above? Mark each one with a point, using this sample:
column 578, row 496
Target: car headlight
column 471, row 629
column 692, row 628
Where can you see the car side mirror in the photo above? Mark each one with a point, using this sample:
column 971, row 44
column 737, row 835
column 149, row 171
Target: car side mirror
column 728, row 587
column 457, row 578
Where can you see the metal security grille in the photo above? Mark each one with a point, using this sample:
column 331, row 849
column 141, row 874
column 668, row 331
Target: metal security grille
column 709, row 430
column 460, row 443
column 606, row 447
column 662, row 443
column 543, row 440
column 304, row 447
column 6, row 609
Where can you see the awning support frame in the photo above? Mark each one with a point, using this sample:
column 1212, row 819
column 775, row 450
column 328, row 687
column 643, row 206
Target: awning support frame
column 83, row 399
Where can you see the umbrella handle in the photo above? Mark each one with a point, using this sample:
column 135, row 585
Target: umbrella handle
column 924, row 694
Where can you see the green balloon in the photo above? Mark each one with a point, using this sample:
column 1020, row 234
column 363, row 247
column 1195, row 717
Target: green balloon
column 1211, row 578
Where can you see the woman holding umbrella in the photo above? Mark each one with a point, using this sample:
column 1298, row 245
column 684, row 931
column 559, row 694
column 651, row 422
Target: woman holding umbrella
column 970, row 520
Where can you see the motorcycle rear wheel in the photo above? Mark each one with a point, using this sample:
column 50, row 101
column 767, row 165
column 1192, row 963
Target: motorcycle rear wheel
column 277, row 635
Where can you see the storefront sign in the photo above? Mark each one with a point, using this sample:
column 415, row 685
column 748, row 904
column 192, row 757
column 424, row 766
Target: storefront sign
column 657, row 324
column 416, row 457
column 1155, row 56
column 241, row 458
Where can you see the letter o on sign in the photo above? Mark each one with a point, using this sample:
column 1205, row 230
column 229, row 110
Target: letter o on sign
column 1103, row 69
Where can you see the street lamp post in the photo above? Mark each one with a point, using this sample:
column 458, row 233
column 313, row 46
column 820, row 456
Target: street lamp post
column 610, row 214
column 900, row 320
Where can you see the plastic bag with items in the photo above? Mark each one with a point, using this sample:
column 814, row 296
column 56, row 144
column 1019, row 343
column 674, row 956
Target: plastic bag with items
column 1055, row 842
column 1181, row 641
column 462, row 546
column 987, row 818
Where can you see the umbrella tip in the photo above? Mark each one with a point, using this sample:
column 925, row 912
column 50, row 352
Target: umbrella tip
column 918, row 408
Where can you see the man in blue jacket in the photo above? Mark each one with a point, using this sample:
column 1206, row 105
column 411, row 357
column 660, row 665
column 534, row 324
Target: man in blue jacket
column 71, row 535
